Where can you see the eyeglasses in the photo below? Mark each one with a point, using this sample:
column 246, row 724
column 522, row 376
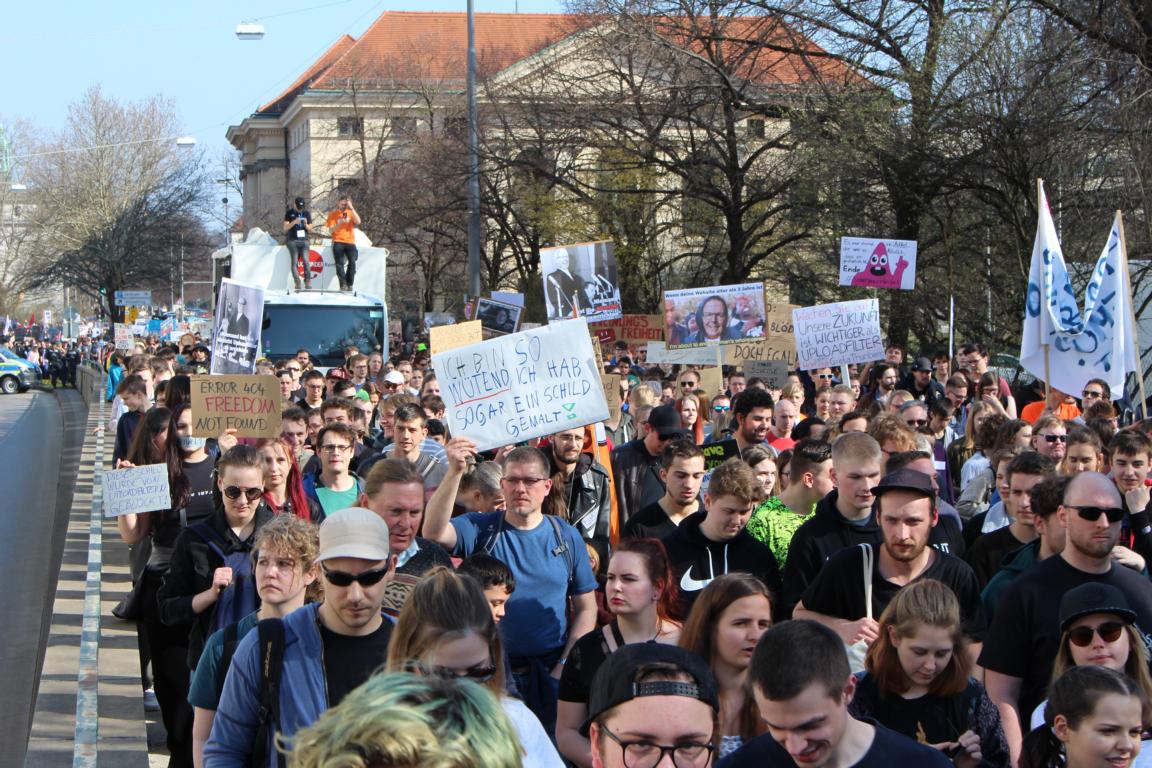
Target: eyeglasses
column 1092, row 514
column 331, row 448
column 721, row 408
column 364, row 579
column 233, row 492
column 293, row 369
column 824, row 375
column 645, row 754
column 527, row 482
column 475, row 674
column 1109, row 632
column 687, row 385
column 916, row 422
column 1092, row 394
column 1055, row 438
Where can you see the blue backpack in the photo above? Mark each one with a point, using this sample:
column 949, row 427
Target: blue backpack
column 239, row 598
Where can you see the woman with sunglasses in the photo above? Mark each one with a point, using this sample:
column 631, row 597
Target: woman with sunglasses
column 446, row 629
column 1098, row 629
column 283, row 489
column 916, row 680
column 199, row 573
column 640, row 593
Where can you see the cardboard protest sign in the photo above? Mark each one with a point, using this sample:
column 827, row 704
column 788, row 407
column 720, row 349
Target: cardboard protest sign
column 773, row 372
column 719, row 314
column 124, row 337
column 717, row 453
column 139, row 489
column 498, row 318
column 777, row 343
column 248, row 404
column 631, row 328
column 838, row 334
column 611, row 383
column 659, row 353
column 445, row 337
column 512, row 388
column 580, row 281
column 236, row 334
column 869, row 263
column 711, row 381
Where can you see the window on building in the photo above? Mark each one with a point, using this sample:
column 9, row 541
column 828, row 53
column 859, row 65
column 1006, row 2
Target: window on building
column 754, row 126
column 404, row 126
column 349, row 126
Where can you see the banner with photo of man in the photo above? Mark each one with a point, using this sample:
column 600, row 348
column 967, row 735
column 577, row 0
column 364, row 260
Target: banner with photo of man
column 236, row 330
column 720, row 314
column 580, row 281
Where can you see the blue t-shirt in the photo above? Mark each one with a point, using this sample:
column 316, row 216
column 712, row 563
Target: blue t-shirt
column 203, row 692
column 534, row 621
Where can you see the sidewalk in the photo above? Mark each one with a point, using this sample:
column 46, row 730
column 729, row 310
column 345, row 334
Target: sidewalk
column 90, row 710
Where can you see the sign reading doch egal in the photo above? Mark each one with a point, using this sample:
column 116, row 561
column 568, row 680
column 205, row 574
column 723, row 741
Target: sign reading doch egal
column 838, row 334
column 528, row 384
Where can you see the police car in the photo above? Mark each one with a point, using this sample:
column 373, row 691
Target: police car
column 16, row 373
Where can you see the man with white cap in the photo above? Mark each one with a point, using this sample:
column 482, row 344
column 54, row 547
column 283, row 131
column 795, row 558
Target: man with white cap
column 324, row 649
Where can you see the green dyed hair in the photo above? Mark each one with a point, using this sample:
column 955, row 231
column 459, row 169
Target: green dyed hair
column 400, row 720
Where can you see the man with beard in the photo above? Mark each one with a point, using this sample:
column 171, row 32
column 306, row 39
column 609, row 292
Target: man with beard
column 585, row 487
column 907, row 513
column 682, row 470
column 636, row 464
column 1025, row 634
column 752, row 417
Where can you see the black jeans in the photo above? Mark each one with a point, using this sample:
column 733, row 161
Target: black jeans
column 170, row 675
column 345, row 255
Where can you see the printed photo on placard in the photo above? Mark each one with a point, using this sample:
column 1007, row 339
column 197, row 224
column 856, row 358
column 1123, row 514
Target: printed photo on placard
column 236, row 336
column 498, row 318
column 720, row 314
column 580, row 280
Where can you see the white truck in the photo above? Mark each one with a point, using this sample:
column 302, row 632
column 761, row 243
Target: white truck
column 324, row 320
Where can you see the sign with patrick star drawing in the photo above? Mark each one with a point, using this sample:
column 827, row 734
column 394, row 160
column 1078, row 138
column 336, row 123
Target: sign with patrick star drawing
column 869, row 263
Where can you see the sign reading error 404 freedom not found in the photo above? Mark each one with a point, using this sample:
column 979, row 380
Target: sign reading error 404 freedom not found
column 528, row 384
column 248, row 404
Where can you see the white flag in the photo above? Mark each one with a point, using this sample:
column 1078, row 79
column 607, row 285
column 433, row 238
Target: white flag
column 7, row 325
column 1096, row 344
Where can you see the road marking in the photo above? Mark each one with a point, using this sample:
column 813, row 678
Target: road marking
column 84, row 748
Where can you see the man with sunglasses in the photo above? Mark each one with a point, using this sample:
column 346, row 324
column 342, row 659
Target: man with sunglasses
column 1050, row 438
column 1025, row 634
column 329, row 648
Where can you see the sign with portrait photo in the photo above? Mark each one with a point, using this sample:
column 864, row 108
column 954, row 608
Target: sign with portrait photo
column 497, row 318
column 236, row 330
column 720, row 314
column 580, row 281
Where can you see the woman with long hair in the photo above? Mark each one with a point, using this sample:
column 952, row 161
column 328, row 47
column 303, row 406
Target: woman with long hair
column 962, row 448
column 1094, row 717
column 916, row 680
column 763, row 463
column 641, row 593
column 723, row 628
column 446, row 629
column 691, row 419
column 283, row 490
column 1098, row 630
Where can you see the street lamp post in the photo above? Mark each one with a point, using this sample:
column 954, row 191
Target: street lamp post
column 473, row 165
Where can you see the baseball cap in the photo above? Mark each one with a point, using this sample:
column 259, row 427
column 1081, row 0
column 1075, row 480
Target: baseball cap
column 922, row 364
column 666, row 421
column 336, row 373
column 615, row 682
column 299, row 201
column 354, row 532
column 394, row 377
column 1093, row 597
column 905, row 480
column 362, row 394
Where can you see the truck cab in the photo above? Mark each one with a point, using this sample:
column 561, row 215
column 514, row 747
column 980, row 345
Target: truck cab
column 324, row 323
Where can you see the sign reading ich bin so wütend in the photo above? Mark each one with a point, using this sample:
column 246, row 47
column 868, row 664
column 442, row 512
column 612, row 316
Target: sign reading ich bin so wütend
column 524, row 385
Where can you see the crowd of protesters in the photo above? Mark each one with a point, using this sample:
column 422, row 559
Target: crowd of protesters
column 915, row 565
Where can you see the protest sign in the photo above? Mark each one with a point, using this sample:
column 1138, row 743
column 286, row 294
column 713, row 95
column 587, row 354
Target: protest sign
column 631, row 328
column 611, row 383
column 869, row 263
column 659, row 353
column 445, row 337
column 580, row 280
column 236, row 335
column 498, row 318
column 719, row 314
column 774, row 373
column 124, row 338
column 717, row 453
column 433, row 319
column 138, row 489
column 712, row 382
column 512, row 388
column 838, row 334
column 248, row 404
column 509, row 297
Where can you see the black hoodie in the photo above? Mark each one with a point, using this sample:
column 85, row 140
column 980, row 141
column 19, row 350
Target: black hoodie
column 696, row 559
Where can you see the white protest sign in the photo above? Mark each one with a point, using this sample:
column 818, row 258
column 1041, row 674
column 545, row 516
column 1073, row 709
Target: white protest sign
column 838, row 334
column 659, row 353
column 869, row 263
column 513, row 388
column 124, row 338
column 140, row 489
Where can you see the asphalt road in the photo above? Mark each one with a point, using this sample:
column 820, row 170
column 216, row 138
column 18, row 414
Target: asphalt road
column 41, row 434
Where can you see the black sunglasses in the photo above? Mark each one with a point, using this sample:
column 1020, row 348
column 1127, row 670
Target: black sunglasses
column 1109, row 631
column 476, row 674
column 1056, row 438
column 1092, row 514
column 365, row 579
column 233, row 492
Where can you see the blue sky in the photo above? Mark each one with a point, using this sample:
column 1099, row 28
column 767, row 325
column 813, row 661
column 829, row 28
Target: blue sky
column 50, row 55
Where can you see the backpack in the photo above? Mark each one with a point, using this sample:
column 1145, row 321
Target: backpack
column 271, row 641
column 489, row 537
column 239, row 598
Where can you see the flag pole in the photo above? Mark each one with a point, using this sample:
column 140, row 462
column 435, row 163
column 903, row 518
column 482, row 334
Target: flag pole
column 1132, row 315
column 1043, row 303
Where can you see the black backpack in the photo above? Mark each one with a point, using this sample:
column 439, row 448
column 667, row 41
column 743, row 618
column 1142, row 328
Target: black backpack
column 271, row 639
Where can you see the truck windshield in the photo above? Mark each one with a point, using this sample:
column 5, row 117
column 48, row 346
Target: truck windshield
column 323, row 331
